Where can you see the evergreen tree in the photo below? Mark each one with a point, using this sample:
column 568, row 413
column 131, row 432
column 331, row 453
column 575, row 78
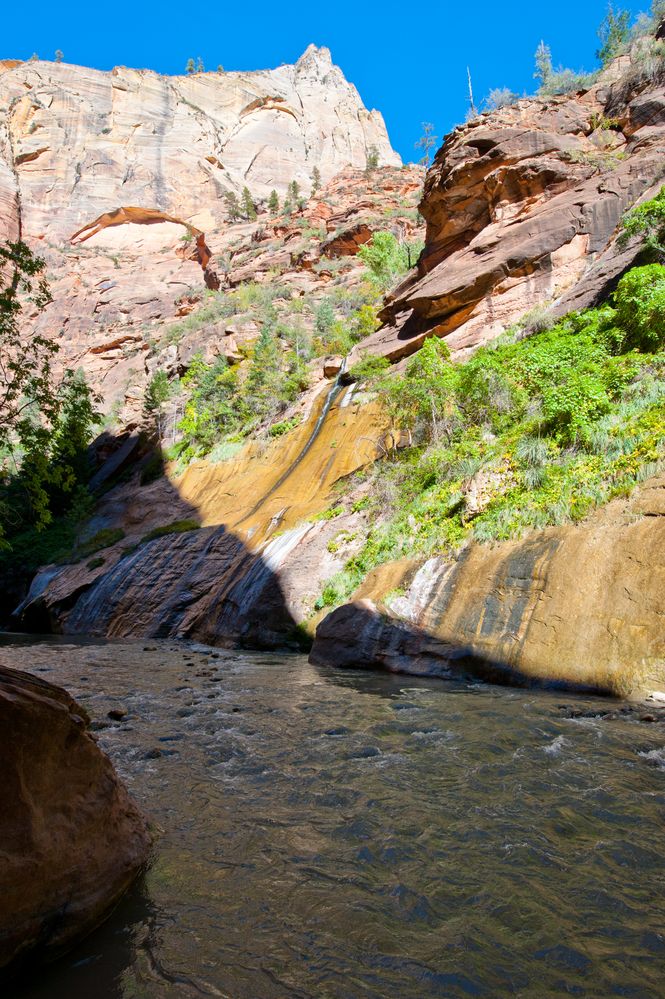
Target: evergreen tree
column 232, row 206
column 34, row 57
column 316, row 180
column 190, row 67
column 372, row 161
column 200, row 68
column 59, row 55
column 613, row 33
column 543, row 64
column 287, row 207
column 273, row 203
column 427, row 142
column 248, row 206
column 220, row 68
column 263, row 380
column 294, row 191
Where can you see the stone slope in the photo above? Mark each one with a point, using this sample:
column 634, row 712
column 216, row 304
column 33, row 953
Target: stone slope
column 577, row 605
column 75, row 142
column 522, row 207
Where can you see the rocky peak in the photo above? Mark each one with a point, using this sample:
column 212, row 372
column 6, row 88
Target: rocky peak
column 76, row 142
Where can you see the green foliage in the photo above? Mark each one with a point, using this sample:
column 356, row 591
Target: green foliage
column 248, row 206
column 648, row 221
column 190, row 68
column 544, row 69
column 640, row 303
column 370, row 369
column 213, row 408
column 427, row 143
column 105, row 538
column 372, row 161
column 157, row 394
column 613, row 33
column 387, row 258
column 233, row 208
column 316, row 180
column 554, row 425
column 176, row 527
column 273, row 203
column 500, row 97
column 59, row 55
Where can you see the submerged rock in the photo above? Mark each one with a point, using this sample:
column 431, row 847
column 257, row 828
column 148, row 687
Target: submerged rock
column 71, row 838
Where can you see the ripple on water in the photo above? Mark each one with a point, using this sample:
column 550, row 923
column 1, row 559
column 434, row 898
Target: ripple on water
column 340, row 835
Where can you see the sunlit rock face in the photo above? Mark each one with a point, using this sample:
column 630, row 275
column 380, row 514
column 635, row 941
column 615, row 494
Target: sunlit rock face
column 578, row 605
column 522, row 207
column 72, row 838
column 75, row 142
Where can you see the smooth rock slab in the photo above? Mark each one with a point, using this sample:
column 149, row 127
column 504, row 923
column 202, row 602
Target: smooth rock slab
column 71, row 838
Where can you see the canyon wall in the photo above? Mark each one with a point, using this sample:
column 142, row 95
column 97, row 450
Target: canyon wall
column 75, row 142
column 522, row 206
column 580, row 605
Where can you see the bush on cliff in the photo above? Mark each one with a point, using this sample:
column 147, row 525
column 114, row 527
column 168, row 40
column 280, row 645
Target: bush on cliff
column 527, row 433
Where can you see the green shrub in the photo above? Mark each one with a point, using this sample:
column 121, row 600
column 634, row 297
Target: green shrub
column 177, row 527
column 105, row 538
column 648, row 221
column 640, row 304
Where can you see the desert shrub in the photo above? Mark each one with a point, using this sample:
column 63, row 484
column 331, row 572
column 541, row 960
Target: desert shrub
column 499, row 97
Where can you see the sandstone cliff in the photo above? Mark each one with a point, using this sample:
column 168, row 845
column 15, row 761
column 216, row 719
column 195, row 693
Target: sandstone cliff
column 75, row 142
column 522, row 209
column 522, row 206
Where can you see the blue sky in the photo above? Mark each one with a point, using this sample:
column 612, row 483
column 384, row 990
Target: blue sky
column 407, row 60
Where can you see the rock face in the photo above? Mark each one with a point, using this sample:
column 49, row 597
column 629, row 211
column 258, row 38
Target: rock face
column 522, row 207
column 71, row 838
column 76, row 142
column 580, row 605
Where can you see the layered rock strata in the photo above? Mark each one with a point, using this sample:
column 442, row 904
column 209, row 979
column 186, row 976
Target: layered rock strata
column 522, row 207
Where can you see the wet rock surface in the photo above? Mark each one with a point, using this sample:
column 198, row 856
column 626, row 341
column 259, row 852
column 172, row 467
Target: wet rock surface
column 579, row 605
column 71, row 838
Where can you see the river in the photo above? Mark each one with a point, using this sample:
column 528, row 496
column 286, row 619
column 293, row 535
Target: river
column 336, row 835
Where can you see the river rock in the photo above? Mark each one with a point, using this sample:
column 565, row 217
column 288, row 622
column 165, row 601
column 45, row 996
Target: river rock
column 72, row 840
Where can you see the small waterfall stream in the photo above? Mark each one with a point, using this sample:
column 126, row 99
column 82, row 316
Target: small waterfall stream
column 333, row 393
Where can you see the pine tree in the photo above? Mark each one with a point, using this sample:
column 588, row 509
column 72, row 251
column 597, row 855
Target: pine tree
column 190, row 67
column 273, row 203
column 294, row 191
column 613, row 33
column 232, row 206
column 200, row 68
column 372, row 159
column 264, row 374
column 34, row 57
column 316, row 180
column 59, row 55
column 287, row 207
column 543, row 64
column 220, row 68
column 248, row 206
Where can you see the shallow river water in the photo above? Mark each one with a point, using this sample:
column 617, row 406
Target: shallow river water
column 337, row 834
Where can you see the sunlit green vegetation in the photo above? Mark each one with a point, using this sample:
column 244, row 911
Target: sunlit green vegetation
column 529, row 432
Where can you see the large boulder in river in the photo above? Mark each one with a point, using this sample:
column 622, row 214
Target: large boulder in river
column 71, row 839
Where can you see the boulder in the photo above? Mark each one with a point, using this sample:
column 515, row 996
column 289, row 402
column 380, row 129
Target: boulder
column 332, row 365
column 72, row 839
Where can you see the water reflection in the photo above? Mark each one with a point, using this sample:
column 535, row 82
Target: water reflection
column 330, row 834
